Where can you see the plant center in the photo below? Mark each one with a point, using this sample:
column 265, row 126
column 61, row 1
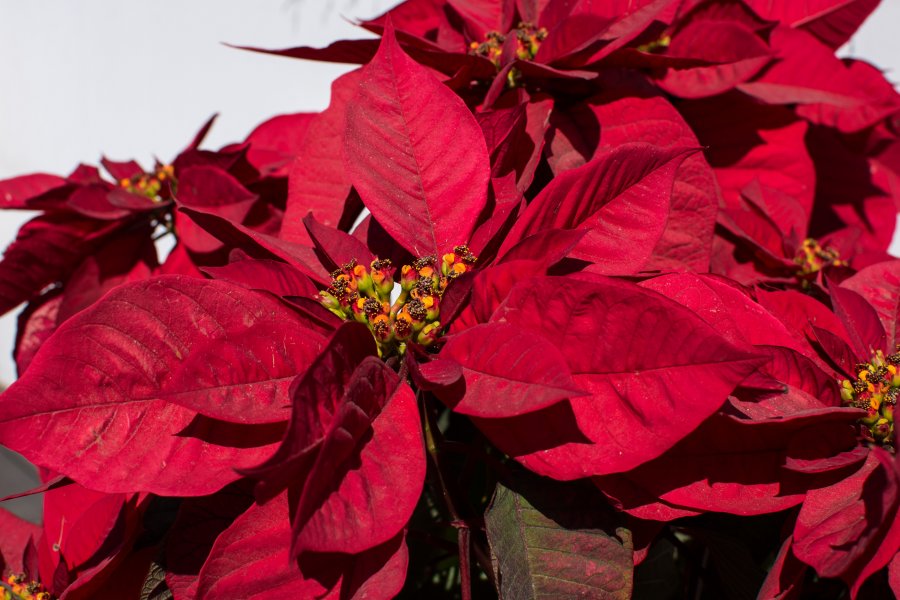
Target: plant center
column 528, row 39
column 364, row 294
column 813, row 257
column 18, row 587
column 875, row 390
column 150, row 185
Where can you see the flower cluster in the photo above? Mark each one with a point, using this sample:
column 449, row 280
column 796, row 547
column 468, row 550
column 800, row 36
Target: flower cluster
column 670, row 356
column 364, row 295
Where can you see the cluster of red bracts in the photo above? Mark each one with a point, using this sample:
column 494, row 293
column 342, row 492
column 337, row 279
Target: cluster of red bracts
column 678, row 340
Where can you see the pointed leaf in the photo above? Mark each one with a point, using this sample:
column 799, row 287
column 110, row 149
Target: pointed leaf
column 507, row 371
column 315, row 397
column 109, row 389
column 370, row 470
column 621, row 197
column 643, row 393
column 318, row 182
column 863, row 326
column 415, row 153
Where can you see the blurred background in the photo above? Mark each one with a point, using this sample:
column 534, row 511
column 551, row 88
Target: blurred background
column 89, row 78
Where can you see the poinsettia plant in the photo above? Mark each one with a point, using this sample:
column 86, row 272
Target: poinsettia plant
column 555, row 299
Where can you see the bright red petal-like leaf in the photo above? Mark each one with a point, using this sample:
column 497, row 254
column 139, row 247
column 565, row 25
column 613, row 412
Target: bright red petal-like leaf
column 619, row 119
column 316, row 397
column 15, row 192
column 370, row 469
column 16, row 533
column 848, row 530
column 318, row 182
column 338, row 247
column 879, row 285
column 863, row 325
column 808, row 73
column 735, row 466
column 275, row 143
column 832, row 21
column 746, row 140
column 507, row 371
column 116, row 372
column 45, row 251
column 643, row 394
column 415, row 153
column 615, row 196
column 251, row 559
column 269, row 275
column 191, row 537
column 211, row 190
column 260, row 245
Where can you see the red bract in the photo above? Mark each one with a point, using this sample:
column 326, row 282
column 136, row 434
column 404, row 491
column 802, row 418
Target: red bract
column 566, row 200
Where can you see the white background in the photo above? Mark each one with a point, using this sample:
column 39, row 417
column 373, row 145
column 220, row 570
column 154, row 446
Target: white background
column 86, row 78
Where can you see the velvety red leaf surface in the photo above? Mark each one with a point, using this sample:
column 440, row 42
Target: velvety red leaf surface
column 316, row 396
column 879, row 285
column 832, row 21
column 15, row 192
column 735, row 466
column 46, row 249
column 415, row 154
column 849, row 529
column 369, row 472
column 642, row 395
column 765, row 143
column 507, row 371
column 318, row 182
column 251, row 559
column 865, row 330
column 211, row 190
column 116, row 372
column 275, row 143
column 614, row 196
column 269, row 275
column 16, row 533
column 611, row 119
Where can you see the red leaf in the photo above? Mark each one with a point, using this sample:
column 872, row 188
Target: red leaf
column 879, row 285
column 272, row 276
column 275, row 143
column 736, row 51
column 643, row 397
column 260, row 245
column 863, row 326
column 15, row 192
column 807, row 73
column 16, row 534
column 848, row 530
column 507, row 371
column 251, row 559
column 318, row 182
column 415, row 153
column 732, row 465
column 747, row 140
column 622, row 199
column 338, row 247
column 113, row 374
column 211, row 190
column 618, row 118
column 369, row 472
column 45, row 251
column 832, row 21
column 316, row 397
